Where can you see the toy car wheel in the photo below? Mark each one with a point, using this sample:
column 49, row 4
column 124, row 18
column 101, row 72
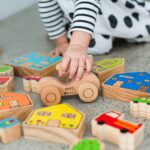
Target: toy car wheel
column 88, row 92
column 124, row 131
column 50, row 95
column 101, row 122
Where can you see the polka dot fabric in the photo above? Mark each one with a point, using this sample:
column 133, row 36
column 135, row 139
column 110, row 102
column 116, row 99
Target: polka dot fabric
column 128, row 19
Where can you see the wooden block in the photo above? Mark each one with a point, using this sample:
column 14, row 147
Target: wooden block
column 140, row 107
column 126, row 86
column 34, row 63
column 107, row 67
column 112, row 127
column 51, row 89
column 6, row 84
column 9, row 130
column 6, row 70
column 88, row 144
column 13, row 104
column 31, row 84
column 50, row 124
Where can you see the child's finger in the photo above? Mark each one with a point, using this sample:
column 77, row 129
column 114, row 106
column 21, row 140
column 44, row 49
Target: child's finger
column 80, row 69
column 73, row 68
column 64, row 66
column 89, row 62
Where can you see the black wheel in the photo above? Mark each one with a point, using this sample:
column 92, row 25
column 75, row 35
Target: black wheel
column 101, row 122
column 124, row 130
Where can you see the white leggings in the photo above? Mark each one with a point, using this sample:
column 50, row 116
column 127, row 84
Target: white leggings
column 128, row 19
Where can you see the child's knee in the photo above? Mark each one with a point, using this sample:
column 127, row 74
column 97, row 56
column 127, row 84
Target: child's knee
column 100, row 44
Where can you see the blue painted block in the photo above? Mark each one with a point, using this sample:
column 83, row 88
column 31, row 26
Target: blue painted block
column 134, row 81
column 35, row 61
column 8, row 122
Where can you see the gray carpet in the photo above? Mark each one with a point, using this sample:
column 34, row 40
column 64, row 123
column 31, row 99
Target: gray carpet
column 24, row 32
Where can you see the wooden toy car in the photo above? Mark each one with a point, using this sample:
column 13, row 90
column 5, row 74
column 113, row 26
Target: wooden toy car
column 126, row 86
column 34, row 63
column 14, row 104
column 105, row 68
column 140, row 107
column 88, row 144
column 51, row 89
column 6, row 84
column 111, row 127
column 9, row 130
column 31, row 83
column 60, row 123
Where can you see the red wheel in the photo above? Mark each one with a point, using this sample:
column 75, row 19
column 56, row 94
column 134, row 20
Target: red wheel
column 50, row 95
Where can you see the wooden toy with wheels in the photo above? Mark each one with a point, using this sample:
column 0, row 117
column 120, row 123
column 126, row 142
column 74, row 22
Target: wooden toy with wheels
column 51, row 89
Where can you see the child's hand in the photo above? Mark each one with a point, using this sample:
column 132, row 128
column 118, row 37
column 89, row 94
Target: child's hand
column 60, row 49
column 76, row 59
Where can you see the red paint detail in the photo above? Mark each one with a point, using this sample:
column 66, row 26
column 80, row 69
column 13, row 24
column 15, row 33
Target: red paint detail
column 113, row 122
column 36, row 78
column 11, row 121
column 4, row 80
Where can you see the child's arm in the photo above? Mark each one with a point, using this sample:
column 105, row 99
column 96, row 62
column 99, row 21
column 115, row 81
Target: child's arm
column 52, row 17
column 84, row 21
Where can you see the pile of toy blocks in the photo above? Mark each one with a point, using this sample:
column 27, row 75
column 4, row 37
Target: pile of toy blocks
column 62, row 123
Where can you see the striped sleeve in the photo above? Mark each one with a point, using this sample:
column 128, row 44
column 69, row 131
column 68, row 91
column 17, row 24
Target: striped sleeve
column 85, row 15
column 52, row 17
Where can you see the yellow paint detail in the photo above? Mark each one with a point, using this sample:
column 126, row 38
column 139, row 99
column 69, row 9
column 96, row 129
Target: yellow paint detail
column 67, row 116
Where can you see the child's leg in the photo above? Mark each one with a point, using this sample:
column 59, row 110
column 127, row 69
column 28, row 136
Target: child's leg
column 100, row 44
column 129, row 19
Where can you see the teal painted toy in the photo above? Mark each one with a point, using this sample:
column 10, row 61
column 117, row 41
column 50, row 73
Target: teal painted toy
column 34, row 63
column 9, row 130
column 140, row 107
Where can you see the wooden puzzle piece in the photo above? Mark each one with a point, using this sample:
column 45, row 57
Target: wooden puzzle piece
column 140, row 107
column 6, row 70
column 50, row 124
column 34, row 63
column 9, row 130
column 112, row 127
column 13, row 104
column 88, row 144
column 105, row 68
column 31, row 84
column 51, row 89
column 6, row 84
column 126, row 86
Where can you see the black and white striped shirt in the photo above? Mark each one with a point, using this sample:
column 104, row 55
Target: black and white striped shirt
column 84, row 19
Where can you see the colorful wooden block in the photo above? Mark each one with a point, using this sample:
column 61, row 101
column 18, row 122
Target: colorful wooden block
column 31, row 84
column 140, row 107
column 51, row 89
column 107, row 67
column 6, row 84
column 126, row 86
column 6, row 70
column 9, row 130
column 34, row 63
column 13, row 104
column 88, row 144
column 112, row 127
column 59, row 123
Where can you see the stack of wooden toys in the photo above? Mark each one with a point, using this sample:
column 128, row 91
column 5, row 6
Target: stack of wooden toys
column 62, row 123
